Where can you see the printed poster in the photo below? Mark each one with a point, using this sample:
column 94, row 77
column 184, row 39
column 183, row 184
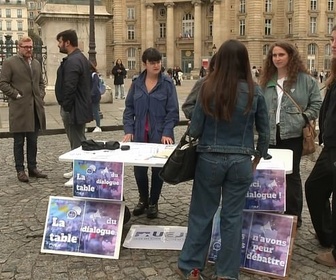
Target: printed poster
column 83, row 228
column 98, row 179
column 266, row 242
column 267, row 191
column 155, row 237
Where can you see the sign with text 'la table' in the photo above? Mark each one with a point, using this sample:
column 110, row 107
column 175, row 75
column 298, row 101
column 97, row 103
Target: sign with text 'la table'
column 98, row 179
column 83, row 227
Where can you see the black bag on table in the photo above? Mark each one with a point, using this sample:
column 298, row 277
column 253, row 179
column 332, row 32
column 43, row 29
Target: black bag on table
column 181, row 164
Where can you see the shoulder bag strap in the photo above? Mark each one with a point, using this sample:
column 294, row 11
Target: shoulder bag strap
column 291, row 98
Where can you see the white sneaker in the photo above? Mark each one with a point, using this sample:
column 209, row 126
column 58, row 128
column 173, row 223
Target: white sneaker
column 68, row 175
column 69, row 183
column 97, row 129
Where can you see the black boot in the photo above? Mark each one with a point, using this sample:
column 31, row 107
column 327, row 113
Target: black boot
column 141, row 207
column 152, row 211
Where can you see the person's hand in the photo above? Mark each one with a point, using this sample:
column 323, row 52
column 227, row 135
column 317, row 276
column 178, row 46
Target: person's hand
column 128, row 138
column 18, row 96
column 166, row 140
column 255, row 162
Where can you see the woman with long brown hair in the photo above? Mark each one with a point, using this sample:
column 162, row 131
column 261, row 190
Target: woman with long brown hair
column 230, row 104
column 284, row 73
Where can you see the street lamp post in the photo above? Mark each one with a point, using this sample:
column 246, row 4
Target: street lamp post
column 139, row 53
column 92, row 40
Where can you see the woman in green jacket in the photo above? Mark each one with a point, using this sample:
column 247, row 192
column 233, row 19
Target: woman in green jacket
column 284, row 72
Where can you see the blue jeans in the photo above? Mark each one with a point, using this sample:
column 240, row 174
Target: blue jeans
column 141, row 177
column 119, row 91
column 95, row 111
column 217, row 175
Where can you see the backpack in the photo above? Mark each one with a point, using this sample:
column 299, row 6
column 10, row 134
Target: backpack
column 101, row 84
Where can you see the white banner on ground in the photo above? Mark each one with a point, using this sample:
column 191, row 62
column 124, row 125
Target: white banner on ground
column 155, row 237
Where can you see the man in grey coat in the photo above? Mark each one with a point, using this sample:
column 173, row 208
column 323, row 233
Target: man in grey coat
column 21, row 81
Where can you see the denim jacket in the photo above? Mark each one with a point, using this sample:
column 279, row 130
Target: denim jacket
column 306, row 93
column 236, row 136
column 159, row 107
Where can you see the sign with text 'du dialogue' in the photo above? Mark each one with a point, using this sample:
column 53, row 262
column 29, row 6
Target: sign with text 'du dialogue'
column 98, row 179
column 267, row 242
column 83, row 227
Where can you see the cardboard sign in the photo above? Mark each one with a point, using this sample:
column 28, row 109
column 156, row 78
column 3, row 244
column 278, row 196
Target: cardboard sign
column 83, row 228
column 98, row 179
column 267, row 241
column 267, row 191
column 155, row 237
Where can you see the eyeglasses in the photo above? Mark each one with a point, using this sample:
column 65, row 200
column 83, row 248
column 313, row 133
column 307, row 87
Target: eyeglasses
column 27, row 47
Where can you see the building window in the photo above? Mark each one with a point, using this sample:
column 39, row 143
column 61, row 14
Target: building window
column 268, row 6
column 0, row 24
column 130, row 32
column 242, row 27
column 188, row 26
column 131, row 13
column 330, row 5
column 19, row 13
column 313, row 5
column 290, row 5
column 31, row 15
column 330, row 25
column 242, row 6
column 19, row 1
column 19, row 26
column 313, row 25
column 8, row 25
column 31, row 24
column 268, row 27
column 31, row 5
column 290, row 26
column 162, row 30
column 265, row 49
column 131, row 58
column 8, row 13
column 311, row 49
column 210, row 28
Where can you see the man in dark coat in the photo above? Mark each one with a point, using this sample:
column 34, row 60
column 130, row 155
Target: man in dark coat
column 72, row 90
column 21, row 81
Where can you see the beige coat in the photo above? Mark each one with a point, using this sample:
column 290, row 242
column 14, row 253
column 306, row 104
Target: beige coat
column 18, row 78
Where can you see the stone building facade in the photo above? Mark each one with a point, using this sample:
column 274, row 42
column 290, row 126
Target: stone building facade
column 188, row 32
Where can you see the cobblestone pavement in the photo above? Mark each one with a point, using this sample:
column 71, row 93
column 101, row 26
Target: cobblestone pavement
column 23, row 212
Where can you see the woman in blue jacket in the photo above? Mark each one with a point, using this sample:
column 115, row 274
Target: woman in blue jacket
column 151, row 113
column 229, row 106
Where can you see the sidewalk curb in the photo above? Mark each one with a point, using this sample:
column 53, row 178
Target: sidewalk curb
column 90, row 129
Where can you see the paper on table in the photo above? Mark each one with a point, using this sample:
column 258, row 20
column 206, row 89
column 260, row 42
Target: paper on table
column 165, row 153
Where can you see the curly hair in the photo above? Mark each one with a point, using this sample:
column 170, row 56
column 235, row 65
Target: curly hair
column 294, row 66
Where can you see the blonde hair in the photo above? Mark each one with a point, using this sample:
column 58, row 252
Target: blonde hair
column 25, row 39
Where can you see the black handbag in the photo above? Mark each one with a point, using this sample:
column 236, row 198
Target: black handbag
column 181, row 164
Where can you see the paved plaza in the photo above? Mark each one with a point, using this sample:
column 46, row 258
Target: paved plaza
column 23, row 211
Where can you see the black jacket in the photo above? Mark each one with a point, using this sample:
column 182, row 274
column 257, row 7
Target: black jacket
column 327, row 119
column 72, row 88
column 119, row 75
